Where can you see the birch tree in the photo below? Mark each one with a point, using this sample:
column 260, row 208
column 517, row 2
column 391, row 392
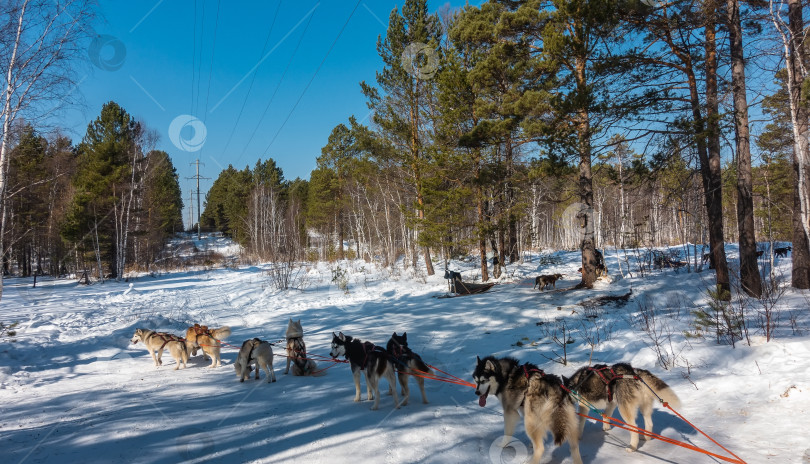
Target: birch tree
column 40, row 42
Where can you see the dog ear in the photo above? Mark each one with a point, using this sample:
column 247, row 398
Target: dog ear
column 477, row 360
column 489, row 365
column 405, row 336
column 342, row 337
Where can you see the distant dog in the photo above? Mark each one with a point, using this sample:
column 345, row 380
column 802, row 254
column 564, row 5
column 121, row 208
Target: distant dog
column 545, row 405
column 258, row 351
column 156, row 341
column 620, row 385
column 782, row 251
column 544, row 281
column 297, row 350
column 365, row 356
column 407, row 363
column 207, row 340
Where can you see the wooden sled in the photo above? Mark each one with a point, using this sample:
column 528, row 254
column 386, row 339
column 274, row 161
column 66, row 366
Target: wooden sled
column 460, row 288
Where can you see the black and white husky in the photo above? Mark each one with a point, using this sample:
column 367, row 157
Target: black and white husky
column 540, row 397
column 607, row 387
column 365, row 356
column 407, row 364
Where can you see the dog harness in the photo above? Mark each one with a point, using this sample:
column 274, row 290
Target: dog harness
column 368, row 348
column 202, row 330
column 168, row 338
column 609, row 381
column 299, row 353
column 402, row 354
column 528, row 371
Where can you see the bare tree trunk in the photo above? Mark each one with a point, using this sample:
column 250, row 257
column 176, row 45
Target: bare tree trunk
column 585, row 215
column 792, row 37
column 801, row 153
column 8, row 117
column 749, row 271
column 715, row 182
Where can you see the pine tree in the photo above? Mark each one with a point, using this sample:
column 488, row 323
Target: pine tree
column 400, row 102
column 104, row 169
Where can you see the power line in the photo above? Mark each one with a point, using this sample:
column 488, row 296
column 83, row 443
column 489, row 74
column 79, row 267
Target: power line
column 199, row 61
column 193, row 56
column 210, row 70
column 278, row 86
column 244, row 102
column 313, row 76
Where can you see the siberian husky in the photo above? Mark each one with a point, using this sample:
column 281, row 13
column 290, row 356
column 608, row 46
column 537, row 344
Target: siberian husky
column 297, row 350
column 258, row 351
column 544, row 281
column 407, row 363
column 620, row 385
column 156, row 341
column 540, row 397
column 207, row 340
column 365, row 356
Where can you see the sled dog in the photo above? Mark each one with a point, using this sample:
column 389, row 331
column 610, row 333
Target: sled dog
column 156, row 341
column 258, row 351
column 297, row 350
column 782, row 251
column 407, row 363
column 205, row 339
column 544, row 281
column 607, row 387
column 545, row 405
column 365, row 356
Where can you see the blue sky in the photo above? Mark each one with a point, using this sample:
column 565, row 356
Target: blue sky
column 160, row 64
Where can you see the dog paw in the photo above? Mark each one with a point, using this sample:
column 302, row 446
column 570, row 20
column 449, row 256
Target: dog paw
column 630, row 450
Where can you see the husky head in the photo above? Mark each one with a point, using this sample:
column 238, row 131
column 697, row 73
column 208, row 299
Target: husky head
column 398, row 344
column 339, row 342
column 138, row 336
column 486, row 375
column 294, row 329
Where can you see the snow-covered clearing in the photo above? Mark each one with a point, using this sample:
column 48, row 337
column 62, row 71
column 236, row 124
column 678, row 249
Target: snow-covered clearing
column 73, row 388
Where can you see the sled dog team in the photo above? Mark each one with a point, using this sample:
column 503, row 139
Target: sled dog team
column 544, row 400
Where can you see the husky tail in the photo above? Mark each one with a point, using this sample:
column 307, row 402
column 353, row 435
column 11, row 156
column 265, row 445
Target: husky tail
column 222, row 332
column 659, row 387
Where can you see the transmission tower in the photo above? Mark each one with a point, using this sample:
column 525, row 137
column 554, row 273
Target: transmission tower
column 197, row 177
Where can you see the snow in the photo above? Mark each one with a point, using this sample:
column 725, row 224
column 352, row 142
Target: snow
column 73, row 388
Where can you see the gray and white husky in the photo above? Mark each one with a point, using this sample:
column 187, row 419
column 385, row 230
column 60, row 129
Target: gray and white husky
column 297, row 350
column 258, row 351
column 407, row 364
column 540, row 397
column 365, row 356
column 607, row 387
column 155, row 342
